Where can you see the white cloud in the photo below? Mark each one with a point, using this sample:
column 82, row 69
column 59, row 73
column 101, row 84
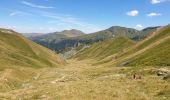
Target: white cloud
column 64, row 19
column 9, row 27
column 13, row 13
column 133, row 13
column 36, row 6
column 18, row 13
column 154, row 14
column 139, row 26
column 71, row 22
column 157, row 1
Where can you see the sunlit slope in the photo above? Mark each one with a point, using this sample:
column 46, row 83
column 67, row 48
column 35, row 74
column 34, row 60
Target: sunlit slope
column 15, row 50
column 157, row 56
column 153, row 51
column 103, row 49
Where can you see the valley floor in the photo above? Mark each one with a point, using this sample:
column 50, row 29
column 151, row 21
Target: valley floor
column 79, row 80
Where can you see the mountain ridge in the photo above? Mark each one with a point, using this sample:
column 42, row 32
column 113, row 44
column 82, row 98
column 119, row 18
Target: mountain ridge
column 61, row 42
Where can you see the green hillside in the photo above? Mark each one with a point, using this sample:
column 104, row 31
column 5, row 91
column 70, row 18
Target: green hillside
column 15, row 50
column 156, row 56
column 29, row 72
column 103, row 49
column 154, row 51
column 120, row 51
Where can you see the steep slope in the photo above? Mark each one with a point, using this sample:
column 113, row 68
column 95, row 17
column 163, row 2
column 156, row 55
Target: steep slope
column 145, row 33
column 19, row 60
column 15, row 50
column 154, row 51
column 103, row 49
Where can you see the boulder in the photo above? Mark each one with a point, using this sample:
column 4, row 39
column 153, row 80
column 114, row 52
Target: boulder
column 167, row 77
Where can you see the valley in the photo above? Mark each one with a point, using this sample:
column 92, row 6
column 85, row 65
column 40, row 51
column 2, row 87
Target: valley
column 81, row 80
column 85, row 50
column 116, row 68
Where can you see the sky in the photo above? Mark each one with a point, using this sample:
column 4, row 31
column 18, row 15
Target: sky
column 44, row 16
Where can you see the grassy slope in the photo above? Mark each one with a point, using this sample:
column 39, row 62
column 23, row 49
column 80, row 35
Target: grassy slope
column 79, row 80
column 105, row 48
column 156, row 56
column 20, row 58
column 15, row 50
column 154, row 50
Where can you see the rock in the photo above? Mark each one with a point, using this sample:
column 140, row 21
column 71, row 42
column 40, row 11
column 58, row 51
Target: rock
column 161, row 73
column 53, row 82
column 27, row 85
column 124, row 63
column 167, row 77
column 43, row 96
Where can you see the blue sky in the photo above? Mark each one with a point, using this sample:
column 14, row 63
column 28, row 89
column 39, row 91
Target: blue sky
column 45, row 16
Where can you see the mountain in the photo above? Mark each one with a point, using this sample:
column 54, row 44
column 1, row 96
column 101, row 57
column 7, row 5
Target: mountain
column 51, row 39
column 59, row 42
column 56, row 35
column 17, row 51
column 30, row 35
column 29, row 71
column 71, row 33
column 152, row 51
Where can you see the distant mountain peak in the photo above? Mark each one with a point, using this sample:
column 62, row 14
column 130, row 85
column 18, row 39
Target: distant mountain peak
column 71, row 33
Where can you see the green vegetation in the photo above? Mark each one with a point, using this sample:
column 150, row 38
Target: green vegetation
column 103, row 49
column 159, row 35
column 60, row 42
column 154, row 51
column 156, row 56
column 30, row 72
column 18, row 51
